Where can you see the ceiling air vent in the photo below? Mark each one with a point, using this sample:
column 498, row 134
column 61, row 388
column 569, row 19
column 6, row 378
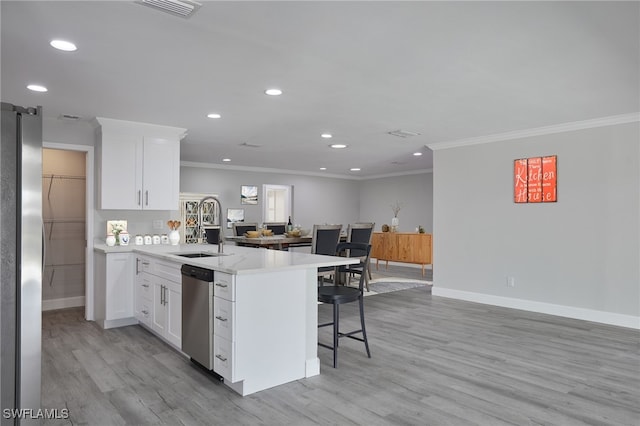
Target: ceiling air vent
column 182, row 8
column 403, row 133
column 250, row 145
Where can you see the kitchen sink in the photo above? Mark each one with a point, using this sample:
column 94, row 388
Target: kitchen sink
column 201, row 254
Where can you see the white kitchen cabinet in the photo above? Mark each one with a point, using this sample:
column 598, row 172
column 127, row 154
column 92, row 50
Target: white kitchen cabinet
column 224, row 326
column 114, row 289
column 138, row 166
column 167, row 310
column 159, row 298
column 143, row 291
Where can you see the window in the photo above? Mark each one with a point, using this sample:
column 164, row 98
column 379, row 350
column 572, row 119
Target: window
column 277, row 203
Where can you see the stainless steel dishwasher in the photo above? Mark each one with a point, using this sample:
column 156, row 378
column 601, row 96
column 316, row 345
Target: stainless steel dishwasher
column 197, row 314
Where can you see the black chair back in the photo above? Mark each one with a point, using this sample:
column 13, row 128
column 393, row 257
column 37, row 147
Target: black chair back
column 212, row 234
column 360, row 233
column 277, row 228
column 240, row 228
column 325, row 239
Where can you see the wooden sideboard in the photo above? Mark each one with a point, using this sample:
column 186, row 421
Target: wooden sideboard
column 406, row 247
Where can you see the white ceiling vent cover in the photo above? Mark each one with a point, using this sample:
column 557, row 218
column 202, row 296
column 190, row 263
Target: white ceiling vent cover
column 182, row 8
column 403, row 133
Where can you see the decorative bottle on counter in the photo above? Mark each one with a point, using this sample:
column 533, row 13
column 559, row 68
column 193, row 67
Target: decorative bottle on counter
column 289, row 225
column 174, row 237
column 111, row 240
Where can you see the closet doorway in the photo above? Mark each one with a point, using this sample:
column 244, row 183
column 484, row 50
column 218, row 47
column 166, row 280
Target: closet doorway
column 66, row 197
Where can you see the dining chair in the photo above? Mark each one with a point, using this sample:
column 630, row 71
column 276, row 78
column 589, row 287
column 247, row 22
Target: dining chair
column 361, row 232
column 324, row 240
column 278, row 228
column 239, row 228
column 339, row 294
column 212, row 234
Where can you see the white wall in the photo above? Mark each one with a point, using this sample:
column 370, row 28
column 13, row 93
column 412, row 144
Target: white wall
column 316, row 200
column 581, row 253
column 414, row 192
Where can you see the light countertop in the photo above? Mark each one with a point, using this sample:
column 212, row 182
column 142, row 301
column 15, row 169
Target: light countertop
column 236, row 259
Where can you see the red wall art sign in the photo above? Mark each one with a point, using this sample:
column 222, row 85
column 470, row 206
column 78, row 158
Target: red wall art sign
column 535, row 179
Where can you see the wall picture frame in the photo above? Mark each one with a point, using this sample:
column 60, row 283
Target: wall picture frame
column 249, row 194
column 234, row 216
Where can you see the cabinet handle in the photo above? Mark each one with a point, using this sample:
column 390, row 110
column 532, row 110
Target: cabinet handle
column 145, row 285
column 145, row 312
column 221, row 358
column 162, row 295
column 221, row 319
column 146, row 194
column 139, row 197
column 137, row 266
column 165, row 295
column 222, row 285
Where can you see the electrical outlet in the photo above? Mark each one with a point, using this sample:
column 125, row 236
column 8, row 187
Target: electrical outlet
column 511, row 282
column 157, row 224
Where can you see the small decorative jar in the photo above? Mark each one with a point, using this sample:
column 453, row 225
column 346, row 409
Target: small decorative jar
column 174, row 238
column 139, row 240
column 124, row 238
column 147, row 239
column 111, row 240
column 164, row 239
column 155, row 239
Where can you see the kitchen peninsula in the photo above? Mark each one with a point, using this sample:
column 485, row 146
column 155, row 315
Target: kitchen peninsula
column 269, row 299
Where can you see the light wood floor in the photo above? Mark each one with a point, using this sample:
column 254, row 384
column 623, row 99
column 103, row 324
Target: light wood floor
column 435, row 361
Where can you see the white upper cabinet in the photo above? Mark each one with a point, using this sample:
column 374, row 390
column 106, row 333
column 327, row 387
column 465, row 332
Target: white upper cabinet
column 138, row 165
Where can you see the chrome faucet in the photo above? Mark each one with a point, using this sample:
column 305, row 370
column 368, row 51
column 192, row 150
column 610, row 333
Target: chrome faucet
column 219, row 209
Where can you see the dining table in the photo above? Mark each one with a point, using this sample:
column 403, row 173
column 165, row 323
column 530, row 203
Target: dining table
column 277, row 242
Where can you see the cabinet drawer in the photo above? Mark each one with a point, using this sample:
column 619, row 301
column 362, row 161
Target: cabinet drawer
column 144, row 288
column 224, row 286
column 223, row 318
column 168, row 270
column 143, row 264
column 223, row 358
column 144, row 312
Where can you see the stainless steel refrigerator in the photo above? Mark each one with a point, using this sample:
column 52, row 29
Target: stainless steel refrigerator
column 21, row 246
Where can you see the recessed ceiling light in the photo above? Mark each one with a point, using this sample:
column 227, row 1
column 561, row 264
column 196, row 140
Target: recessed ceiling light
column 338, row 146
column 214, row 115
column 355, row 169
column 273, row 92
column 226, row 160
column 417, row 154
column 67, row 46
column 323, row 168
column 37, row 88
column 326, row 135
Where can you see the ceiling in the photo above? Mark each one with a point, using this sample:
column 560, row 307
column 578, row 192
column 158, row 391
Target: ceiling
column 357, row 70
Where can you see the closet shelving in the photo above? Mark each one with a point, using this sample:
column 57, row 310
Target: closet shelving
column 64, row 228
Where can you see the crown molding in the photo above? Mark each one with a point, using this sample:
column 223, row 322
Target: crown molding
column 407, row 173
column 264, row 170
column 296, row 172
column 539, row 131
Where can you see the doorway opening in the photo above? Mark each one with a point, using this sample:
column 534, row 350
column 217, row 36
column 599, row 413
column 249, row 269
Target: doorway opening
column 68, row 227
column 64, row 212
column 277, row 203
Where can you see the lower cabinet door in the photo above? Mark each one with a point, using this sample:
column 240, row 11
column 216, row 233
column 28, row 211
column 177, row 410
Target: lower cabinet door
column 173, row 295
column 223, row 358
column 159, row 316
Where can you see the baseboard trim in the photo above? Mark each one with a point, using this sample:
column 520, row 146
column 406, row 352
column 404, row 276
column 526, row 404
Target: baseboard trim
column 120, row 322
column 610, row 318
column 66, row 302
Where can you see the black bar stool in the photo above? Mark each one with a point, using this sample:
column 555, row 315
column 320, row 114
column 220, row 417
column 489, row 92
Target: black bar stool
column 340, row 294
